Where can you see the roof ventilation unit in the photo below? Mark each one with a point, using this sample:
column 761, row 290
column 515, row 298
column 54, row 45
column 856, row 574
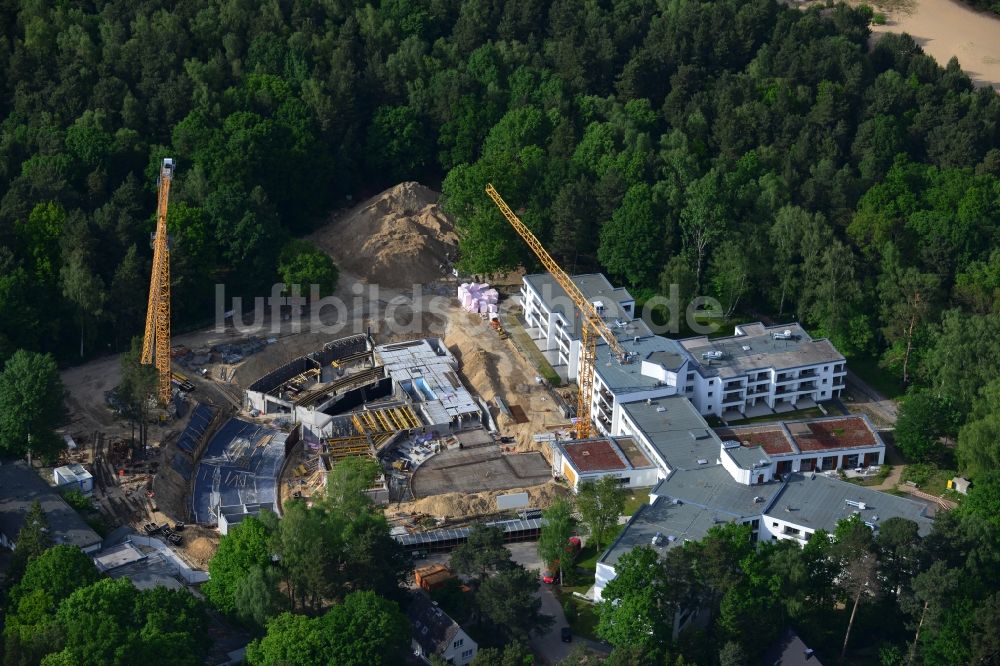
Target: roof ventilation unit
column 856, row 503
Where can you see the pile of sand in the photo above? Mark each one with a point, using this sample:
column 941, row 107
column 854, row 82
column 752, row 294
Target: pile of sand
column 458, row 505
column 398, row 238
column 481, row 369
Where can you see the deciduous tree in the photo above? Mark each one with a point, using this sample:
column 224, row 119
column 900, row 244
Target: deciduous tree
column 31, row 405
column 600, row 504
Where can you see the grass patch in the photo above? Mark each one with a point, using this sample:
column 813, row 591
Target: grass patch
column 635, row 499
column 584, row 620
column 883, row 381
column 524, row 343
column 587, row 559
column 929, row 477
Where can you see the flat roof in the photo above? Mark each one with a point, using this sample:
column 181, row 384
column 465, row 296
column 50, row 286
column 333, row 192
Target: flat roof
column 846, row 432
column 670, row 360
column 714, row 489
column 20, row 486
column 595, row 287
column 818, row 501
column 631, row 451
column 765, row 351
column 674, row 522
column 627, row 378
column 425, row 369
column 747, row 456
column 607, row 454
column 117, row 556
column 675, row 429
column 771, row 437
column 594, row 455
column 808, row 435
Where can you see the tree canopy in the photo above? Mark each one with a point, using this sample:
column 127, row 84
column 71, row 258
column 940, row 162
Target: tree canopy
column 31, row 405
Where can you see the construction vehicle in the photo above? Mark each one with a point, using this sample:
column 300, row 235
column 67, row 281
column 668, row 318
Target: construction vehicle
column 156, row 342
column 592, row 326
column 181, row 381
column 498, row 327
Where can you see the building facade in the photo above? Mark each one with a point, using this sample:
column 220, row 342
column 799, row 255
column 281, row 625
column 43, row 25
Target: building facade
column 757, row 370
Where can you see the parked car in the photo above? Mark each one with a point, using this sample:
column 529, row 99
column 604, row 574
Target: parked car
column 566, row 635
column 548, row 578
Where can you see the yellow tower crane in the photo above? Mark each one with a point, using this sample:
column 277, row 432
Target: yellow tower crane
column 156, row 343
column 592, row 326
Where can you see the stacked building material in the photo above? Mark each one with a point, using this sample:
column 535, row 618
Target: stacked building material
column 478, row 297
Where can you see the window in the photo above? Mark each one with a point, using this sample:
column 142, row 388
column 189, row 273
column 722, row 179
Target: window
column 774, row 524
column 709, row 394
column 458, row 643
column 467, row 654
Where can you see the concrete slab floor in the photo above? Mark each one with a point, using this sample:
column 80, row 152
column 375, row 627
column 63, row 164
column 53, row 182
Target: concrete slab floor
column 476, row 470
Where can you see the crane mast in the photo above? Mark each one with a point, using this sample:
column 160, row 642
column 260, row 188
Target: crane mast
column 592, row 325
column 156, row 343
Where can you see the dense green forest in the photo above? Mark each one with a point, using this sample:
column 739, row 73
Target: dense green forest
column 984, row 5
column 774, row 158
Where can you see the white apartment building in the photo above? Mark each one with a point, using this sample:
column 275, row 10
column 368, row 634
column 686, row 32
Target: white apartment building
column 758, row 370
column 767, row 476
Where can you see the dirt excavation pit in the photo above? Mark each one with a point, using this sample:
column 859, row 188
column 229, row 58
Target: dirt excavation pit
column 461, row 505
column 493, row 368
column 396, row 239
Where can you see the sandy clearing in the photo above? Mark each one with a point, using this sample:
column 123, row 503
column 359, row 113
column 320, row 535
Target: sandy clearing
column 944, row 29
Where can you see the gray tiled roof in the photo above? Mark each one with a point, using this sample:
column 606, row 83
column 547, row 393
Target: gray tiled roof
column 432, row 627
column 20, row 486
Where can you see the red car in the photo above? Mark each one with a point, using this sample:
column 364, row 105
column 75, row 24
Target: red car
column 548, row 578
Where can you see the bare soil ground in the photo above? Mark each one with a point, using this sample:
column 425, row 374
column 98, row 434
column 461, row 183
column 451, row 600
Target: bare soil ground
column 394, row 251
column 493, row 368
column 458, row 505
column 395, row 239
column 479, row 469
column 946, row 29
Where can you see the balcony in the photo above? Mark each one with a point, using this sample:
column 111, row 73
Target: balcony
column 806, row 374
column 807, row 386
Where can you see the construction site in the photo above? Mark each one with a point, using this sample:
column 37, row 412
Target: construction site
column 453, row 409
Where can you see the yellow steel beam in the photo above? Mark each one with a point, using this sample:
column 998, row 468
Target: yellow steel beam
column 156, row 342
column 593, row 326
